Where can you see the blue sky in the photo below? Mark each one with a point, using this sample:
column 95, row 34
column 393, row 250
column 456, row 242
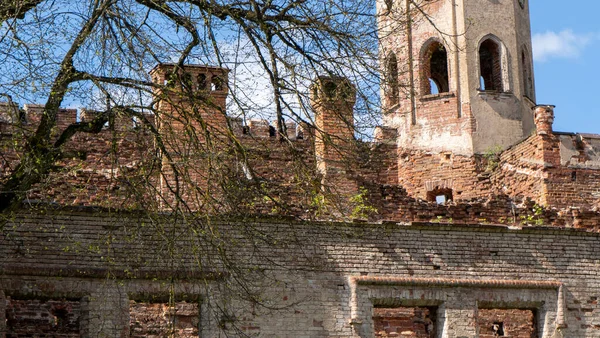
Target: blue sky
column 566, row 37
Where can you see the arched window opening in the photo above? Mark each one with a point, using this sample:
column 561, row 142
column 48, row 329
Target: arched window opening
column 490, row 65
column 202, row 82
column 186, row 81
column 393, row 89
column 216, row 83
column 527, row 75
column 439, row 196
column 435, row 69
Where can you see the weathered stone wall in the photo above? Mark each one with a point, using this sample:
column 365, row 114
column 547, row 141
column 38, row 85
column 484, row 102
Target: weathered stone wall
column 318, row 279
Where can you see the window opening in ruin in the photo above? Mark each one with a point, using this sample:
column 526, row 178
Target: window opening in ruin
column 440, row 199
column 329, row 89
column 439, row 196
column 435, row 69
column 498, row 329
column 216, row 83
column 42, row 317
column 272, row 131
column 515, row 323
column 393, row 89
column 202, row 82
column 433, row 86
column 180, row 319
column 170, row 80
column 527, row 75
column 186, row 81
column 245, row 130
column 573, row 176
column 414, row 322
column 490, row 65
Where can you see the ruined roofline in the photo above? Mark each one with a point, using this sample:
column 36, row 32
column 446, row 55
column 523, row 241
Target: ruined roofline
column 116, row 218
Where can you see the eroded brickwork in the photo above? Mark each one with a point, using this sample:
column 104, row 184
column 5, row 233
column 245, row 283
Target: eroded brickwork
column 309, row 289
column 404, row 322
column 512, row 323
column 424, row 173
column 163, row 320
column 53, row 318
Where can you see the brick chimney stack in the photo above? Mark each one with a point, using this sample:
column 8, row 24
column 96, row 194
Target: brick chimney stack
column 544, row 118
column 333, row 100
column 191, row 117
column 192, row 89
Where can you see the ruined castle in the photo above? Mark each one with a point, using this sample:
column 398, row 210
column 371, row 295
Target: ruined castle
column 467, row 216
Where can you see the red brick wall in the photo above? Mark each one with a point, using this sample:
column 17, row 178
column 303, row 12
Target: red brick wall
column 417, row 322
column 514, row 323
column 533, row 169
column 572, row 187
column 420, row 172
column 519, row 171
column 163, row 320
column 54, row 318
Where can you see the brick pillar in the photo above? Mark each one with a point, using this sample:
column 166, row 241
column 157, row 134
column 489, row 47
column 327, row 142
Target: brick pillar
column 458, row 315
column 105, row 312
column 549, row 145
column 333, row 100
column 544, row 118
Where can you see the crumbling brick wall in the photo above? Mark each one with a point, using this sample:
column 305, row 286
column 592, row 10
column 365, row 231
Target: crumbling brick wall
column 56, row 318
column 422, row 172
column 163, row 320
column 514, row 323
column 404, row 322
column 519, row 171
column 305, row 271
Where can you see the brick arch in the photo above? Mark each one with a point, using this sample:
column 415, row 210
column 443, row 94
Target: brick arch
column 493, row 64
column 391, row 79
column 434, row 67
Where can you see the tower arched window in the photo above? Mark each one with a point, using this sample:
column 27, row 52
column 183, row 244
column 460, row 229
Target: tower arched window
column 490, row 65
column 527, row 75
column 434, row 69
column 393, row 88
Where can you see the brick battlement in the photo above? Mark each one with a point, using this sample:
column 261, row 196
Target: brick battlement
column 557, row 171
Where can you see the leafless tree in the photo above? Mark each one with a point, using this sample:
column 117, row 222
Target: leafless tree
column 99, row 54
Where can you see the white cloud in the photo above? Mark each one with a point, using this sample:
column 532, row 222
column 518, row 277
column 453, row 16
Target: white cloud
column 564, row 44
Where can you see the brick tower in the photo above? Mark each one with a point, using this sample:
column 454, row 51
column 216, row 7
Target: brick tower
column 459, row 79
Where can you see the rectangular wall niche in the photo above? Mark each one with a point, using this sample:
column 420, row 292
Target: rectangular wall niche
column 512, row 323
column 414, row 322
column 163, row 319
column 56, row 318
